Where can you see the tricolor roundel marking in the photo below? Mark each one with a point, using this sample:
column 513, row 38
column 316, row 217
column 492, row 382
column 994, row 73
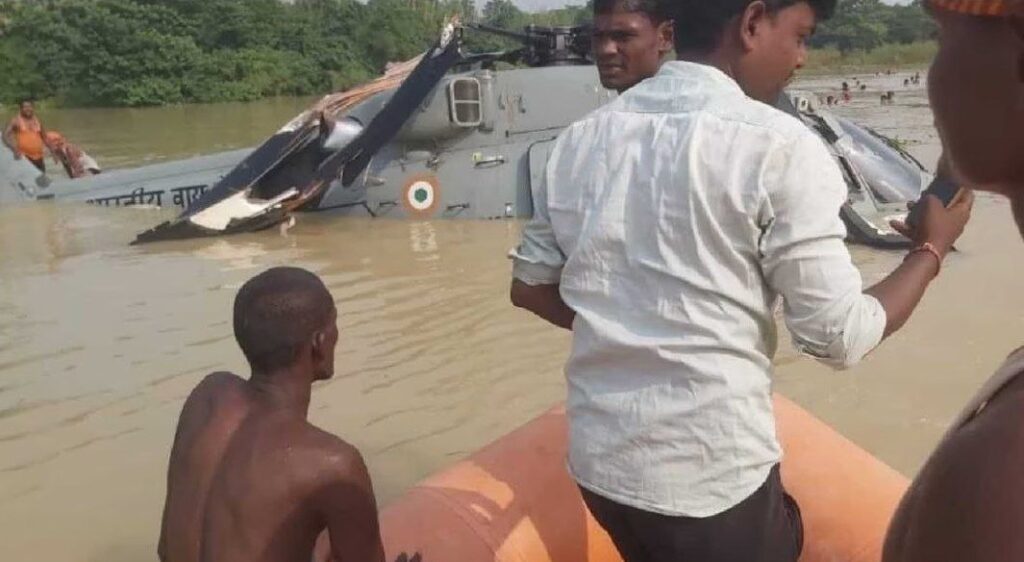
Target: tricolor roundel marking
column 422, row 195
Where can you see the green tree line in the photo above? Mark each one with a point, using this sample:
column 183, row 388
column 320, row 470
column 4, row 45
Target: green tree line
column 152, row 52
column 863, row 25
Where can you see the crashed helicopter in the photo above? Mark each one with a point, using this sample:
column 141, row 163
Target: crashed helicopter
column 446, row 135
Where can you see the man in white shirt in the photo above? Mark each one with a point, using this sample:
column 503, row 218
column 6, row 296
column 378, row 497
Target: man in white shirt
column 668, row 224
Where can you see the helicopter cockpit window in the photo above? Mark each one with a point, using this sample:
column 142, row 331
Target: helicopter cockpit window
column 466, row 107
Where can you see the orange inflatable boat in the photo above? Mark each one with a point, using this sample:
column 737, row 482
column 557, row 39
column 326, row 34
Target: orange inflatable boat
column 513, row 501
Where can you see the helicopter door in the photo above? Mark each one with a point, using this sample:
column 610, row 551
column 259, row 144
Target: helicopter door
column 491, row 172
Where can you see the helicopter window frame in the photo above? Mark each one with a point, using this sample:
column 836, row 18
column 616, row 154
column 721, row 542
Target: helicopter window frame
column 459, row 104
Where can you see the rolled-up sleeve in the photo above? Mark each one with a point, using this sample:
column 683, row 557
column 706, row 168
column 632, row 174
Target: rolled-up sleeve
column 805, row 259
column 538, row 260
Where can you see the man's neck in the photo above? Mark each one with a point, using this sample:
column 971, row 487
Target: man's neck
column 286, row 390
column 715, row 59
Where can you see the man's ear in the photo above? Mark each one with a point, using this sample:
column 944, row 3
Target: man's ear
column 751, row 20
column 666, row 37
column 317, row 347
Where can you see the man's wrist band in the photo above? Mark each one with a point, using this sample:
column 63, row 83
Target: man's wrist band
column 930, row 248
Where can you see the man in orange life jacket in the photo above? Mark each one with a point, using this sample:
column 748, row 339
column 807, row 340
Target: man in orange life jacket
column 24, row 136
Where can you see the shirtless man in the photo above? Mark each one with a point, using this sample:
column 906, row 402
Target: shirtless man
column 967, row 503
column 250, row 479
column 24, row 135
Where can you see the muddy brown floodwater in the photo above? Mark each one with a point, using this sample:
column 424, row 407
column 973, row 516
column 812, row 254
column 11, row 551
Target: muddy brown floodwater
column 101, row 342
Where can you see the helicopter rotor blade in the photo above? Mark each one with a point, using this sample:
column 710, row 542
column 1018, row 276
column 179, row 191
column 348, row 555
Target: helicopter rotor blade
column 350, row 161
column 229, row 209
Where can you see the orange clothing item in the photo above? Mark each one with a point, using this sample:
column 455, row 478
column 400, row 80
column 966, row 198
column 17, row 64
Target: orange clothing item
column 992, row 8
column 28, row 134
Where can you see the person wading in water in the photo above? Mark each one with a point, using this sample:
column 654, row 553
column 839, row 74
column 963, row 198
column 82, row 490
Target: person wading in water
column 24, row 135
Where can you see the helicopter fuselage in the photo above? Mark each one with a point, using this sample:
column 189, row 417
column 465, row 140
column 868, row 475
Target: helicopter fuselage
column 473, row 147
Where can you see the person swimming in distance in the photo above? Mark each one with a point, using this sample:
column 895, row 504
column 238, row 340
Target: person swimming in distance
column 249, row 478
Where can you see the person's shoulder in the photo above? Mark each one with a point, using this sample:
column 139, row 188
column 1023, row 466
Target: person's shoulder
column 761, row 116
column 589, row 120
column 331, row 456
column 993, row 441
column 977, row 470
column 578, row 133
column 790, row 152
column 219, row 380
column 215, row 395
column 332, row 465
column 216, row 385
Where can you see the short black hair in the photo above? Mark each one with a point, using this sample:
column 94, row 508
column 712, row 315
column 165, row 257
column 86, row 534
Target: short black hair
column 657, row 10
column 277, row 312
column 699, row 24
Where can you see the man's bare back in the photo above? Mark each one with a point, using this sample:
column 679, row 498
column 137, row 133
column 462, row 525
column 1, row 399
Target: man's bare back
column 250, row 479
column 249, row 483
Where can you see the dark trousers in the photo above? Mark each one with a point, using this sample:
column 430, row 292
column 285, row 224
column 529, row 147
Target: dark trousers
column 766, row 527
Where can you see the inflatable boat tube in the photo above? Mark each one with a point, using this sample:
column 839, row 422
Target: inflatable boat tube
column 513, row 501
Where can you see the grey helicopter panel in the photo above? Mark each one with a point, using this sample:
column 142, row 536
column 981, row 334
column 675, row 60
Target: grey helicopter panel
column 465, row 152
column 264, row 199
column 450, row 135
column 170, row 184
column 18, row 179
column 552, row 100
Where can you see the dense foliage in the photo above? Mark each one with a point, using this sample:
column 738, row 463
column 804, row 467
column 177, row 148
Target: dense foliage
column 863, row 25
column 146, row 52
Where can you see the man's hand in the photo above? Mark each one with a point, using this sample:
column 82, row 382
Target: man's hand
column 938, row 225
column 544, row 301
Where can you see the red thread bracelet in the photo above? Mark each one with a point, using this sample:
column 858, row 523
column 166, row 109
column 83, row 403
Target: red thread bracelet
column 930, row 248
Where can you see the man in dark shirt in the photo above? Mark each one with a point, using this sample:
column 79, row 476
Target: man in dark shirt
column 967, row 503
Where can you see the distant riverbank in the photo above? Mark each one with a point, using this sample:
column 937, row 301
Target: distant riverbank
column 886, row 57
column 821, row 61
